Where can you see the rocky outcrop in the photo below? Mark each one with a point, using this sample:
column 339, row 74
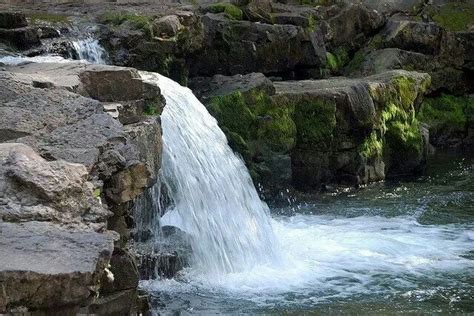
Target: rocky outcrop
column 54, row 253
column 63, row 111
column 313, row 132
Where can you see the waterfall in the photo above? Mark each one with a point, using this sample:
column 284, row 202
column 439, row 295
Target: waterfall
column 212, row 195
column 89, row 49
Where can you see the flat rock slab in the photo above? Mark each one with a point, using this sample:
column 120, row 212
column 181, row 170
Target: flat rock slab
column 55, row 265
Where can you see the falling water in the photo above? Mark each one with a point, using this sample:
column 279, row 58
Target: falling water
column 90, row 50
column 213, row 197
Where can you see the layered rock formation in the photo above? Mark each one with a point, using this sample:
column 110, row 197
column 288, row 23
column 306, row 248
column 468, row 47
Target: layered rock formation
column 94, row 142
column 314, row 132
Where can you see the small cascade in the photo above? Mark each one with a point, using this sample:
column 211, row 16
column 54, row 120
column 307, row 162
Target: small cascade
column 212, row 197
column 90, row 50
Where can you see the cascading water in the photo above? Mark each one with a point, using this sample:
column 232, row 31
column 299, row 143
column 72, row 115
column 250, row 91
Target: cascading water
column 89, row 49
column 212, row 195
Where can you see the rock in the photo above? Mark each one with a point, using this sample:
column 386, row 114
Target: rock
column 167, row 258
column 64, row 125
column 112, row 84
column 55, row 191
column 414, row 36
column 48, row 32
column 259, row 10
column 125, row 273
column 12, row 20
column 46, row 266
column 49, row 215
column 390, row 7
column 267, row 48
column 339, row 133
column 167, row 26
column 290, row 18
column 351, row 28
column 206, row 88
column 118, row 303
column 21, row 38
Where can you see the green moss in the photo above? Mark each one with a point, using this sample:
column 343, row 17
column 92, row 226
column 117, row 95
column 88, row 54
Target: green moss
column 255, row 117
column 97, row 192
column 372, row 146
column 447, row 111
column 337, row 60
column 312, row 23
column 150, row 108
column 140, row 22
column 315, row 122
column 356, row 62
column 455, row 16
column 229, row 9
column 232, row 112
column 47, row 17
column 332, row 61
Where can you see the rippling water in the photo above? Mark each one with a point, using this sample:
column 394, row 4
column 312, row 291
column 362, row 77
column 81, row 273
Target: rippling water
column 390, row 247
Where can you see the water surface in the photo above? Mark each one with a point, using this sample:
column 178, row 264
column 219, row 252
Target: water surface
column 405, row 246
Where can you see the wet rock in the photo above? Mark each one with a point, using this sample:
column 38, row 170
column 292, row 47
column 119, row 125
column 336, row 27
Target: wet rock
column 12, row 20
column 124, row 271
column 21, row 38
column 339, row 133
column 48, row 32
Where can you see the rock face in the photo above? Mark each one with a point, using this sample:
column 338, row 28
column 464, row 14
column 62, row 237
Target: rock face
column 356, row 131
column 313, row 132
column 268, row 48
column 52, row 254
column 97, row 163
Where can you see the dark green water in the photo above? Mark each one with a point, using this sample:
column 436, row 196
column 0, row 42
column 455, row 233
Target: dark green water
column 390, row 248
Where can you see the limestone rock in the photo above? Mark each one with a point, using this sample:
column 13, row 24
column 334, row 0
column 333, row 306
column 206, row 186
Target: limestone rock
column 46, row 266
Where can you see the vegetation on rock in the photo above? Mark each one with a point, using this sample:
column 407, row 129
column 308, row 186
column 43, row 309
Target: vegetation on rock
column 455, row 16
column 47, row 17
column 229, row 9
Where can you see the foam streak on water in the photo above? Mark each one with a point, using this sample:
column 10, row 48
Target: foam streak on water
column 213, row 197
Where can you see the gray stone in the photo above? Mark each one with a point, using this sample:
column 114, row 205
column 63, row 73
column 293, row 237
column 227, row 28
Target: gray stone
column 46, row 266
column 167, row 26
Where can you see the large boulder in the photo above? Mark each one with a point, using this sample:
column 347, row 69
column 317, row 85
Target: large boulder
column 233, row 47
column 313, row 132
column 421, row 37
column 54, row 255
column 356, row 130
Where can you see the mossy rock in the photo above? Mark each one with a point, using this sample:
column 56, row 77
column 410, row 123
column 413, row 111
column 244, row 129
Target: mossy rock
column 140, row 22
column 254, row 116
column 229, row 9
column 45, row 17
column 448, row 118
column 315, row 120
column 454, row 16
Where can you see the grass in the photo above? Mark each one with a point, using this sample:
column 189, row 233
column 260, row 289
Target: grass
column 47, row 17
column 229, row 9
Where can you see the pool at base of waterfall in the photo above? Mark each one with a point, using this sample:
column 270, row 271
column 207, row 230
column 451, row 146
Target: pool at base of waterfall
column 392, row 247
